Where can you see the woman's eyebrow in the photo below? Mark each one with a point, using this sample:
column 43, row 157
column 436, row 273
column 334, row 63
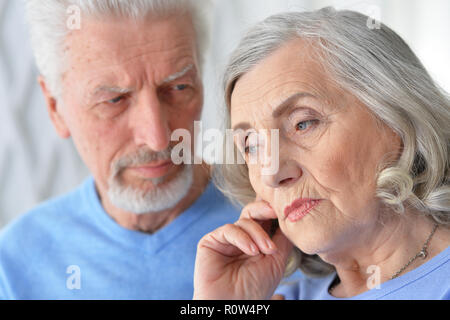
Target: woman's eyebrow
column 280, row 108
column 242, row 126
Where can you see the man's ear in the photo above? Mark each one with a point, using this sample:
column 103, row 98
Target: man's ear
column 53, row 111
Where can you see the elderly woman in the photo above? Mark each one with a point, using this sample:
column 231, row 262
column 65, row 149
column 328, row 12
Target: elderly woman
column 362, row 190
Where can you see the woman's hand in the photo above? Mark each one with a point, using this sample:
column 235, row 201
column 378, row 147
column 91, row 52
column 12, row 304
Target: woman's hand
column 240, row 260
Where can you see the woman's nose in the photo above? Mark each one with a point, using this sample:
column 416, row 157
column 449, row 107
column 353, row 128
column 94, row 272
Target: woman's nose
column 288, row 172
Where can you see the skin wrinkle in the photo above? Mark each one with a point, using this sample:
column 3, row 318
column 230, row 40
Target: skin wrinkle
column 336, row 161
column 187, row 72
column 126, row 80
column 272, row 85
column 147, row 45
column 110, row 51
column 119, row 57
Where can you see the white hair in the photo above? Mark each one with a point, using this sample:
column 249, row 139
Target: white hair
column 164, row 195
column 48, row 20
column 378, row 68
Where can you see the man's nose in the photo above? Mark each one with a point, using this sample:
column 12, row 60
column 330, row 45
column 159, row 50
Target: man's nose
column 151, row 123
column 288, row 173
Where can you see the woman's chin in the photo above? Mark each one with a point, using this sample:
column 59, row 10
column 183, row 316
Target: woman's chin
column 311, row 243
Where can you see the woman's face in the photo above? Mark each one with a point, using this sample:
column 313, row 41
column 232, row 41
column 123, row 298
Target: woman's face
column 330, row 148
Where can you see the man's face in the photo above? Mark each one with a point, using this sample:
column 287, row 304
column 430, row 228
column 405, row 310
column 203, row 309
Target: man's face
column 128, row 85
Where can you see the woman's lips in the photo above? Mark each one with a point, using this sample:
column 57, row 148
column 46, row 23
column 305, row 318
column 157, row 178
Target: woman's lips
column 299, row 208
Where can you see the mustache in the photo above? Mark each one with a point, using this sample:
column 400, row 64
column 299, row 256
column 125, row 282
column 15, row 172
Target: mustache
column 140, row 157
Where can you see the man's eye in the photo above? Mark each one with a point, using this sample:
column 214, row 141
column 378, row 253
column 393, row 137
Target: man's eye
column 116, row 100
column 304, row 125
column 180, row 87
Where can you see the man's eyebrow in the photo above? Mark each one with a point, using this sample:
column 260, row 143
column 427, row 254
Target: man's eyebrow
column 111, row 89
column 178, row 74
column 119, row 90
column 286, row 103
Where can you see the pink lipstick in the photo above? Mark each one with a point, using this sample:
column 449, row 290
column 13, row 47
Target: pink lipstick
column 299, row 208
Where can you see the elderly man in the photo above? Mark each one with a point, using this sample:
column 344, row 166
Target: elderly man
column 118, row 77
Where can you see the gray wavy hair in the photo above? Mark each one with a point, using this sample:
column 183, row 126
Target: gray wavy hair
column 379, row 68
column 50, row 20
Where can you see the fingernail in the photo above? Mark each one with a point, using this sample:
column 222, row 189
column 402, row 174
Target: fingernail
column 270, row 245
column 253, row 248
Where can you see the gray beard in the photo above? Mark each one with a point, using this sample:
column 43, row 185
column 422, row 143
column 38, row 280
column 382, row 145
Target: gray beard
column 162, row 197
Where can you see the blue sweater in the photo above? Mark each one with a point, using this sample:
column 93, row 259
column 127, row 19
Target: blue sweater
column 430, row 281
column 70, row 248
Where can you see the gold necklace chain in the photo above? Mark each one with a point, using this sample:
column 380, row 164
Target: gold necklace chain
column 423, row 253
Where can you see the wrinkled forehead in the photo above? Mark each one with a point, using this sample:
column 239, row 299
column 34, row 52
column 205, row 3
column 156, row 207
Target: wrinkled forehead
column 292, row 69
column 114, row 43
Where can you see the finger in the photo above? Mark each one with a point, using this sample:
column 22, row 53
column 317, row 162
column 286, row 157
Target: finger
column 284, row 245
column 259, row 210
column 277, row 297
column 230, row 234
column 258, row 235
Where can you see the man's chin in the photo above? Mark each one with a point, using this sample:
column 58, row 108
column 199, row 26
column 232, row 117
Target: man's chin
column 142, row 195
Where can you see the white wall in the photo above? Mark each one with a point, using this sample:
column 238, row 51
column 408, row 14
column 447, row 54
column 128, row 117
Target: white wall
column 35, row 164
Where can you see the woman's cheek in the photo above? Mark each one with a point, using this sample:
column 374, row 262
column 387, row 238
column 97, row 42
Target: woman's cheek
column 332, row 172
column 255, row 180
column 261, row 189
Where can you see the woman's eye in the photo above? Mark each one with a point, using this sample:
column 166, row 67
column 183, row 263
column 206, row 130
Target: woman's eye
column 304, row 125
column 250, row 149
column 250, row 143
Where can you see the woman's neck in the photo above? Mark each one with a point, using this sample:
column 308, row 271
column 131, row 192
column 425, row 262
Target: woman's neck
column 375, row 257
